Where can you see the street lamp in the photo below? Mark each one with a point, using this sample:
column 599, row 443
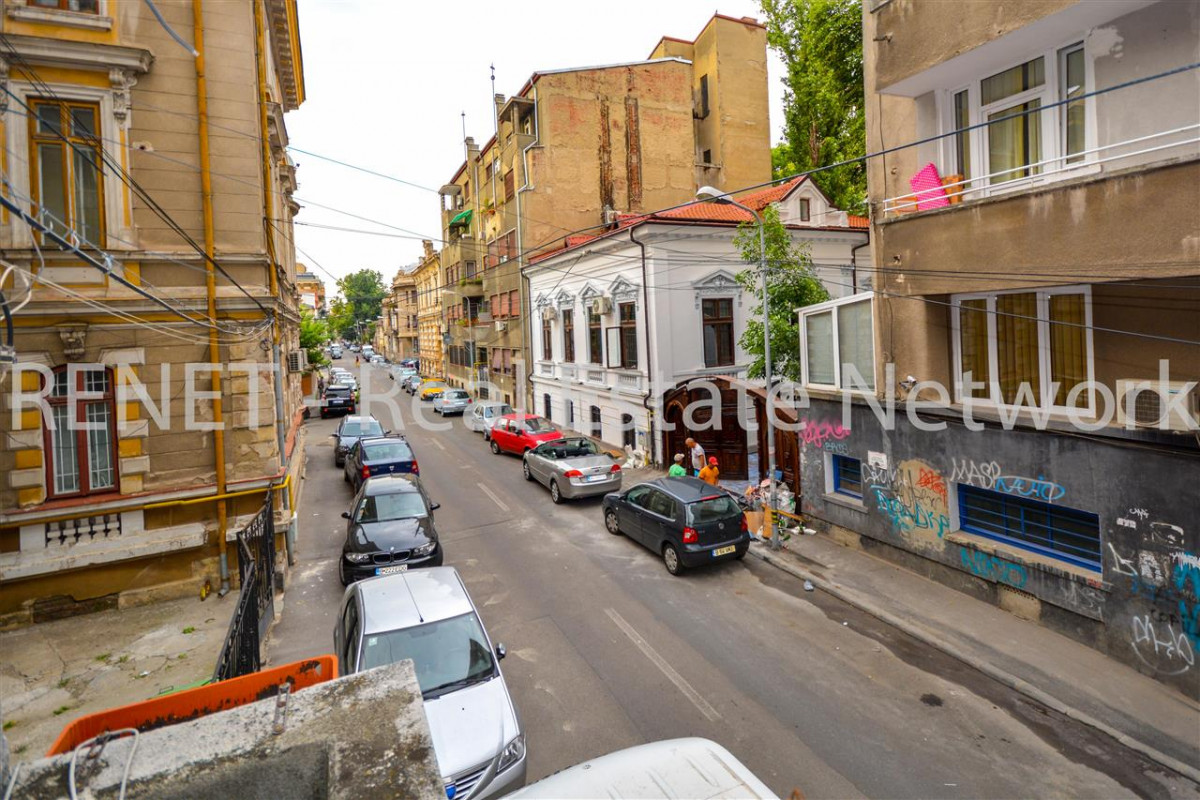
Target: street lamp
column 713, row 195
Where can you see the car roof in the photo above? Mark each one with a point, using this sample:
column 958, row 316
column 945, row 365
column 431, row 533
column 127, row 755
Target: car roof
column 392, row 602
column 687, row 490
column 392, row 484
column 492, row 404
column 359, row 418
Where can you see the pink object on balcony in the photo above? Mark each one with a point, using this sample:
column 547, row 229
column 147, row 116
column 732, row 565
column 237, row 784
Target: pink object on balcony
column 927, row 184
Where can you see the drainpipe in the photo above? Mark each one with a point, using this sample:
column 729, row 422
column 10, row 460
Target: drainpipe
column 273, row 280
column 525, row 285
column 649, row 349
column 854, row 265
column 214, row 347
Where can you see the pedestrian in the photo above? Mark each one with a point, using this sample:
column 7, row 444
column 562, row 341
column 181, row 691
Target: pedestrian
column 677, row 470
column 697, row 454
column 356, row 361
column 710, row 473
column 320, row 385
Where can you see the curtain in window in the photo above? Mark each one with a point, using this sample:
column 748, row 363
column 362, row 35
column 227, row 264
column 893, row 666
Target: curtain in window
column 1017, row 344
column 857, row 345
column 1068, row 347
column 819, row 332
column 973, row 345
column 1073, row 88
column 101, row 474
column 1015, row 143
column 51, row 180
column 66, row 458
column 87, row 194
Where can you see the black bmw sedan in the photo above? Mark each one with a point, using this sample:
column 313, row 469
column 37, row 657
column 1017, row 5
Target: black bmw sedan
column 389, row 529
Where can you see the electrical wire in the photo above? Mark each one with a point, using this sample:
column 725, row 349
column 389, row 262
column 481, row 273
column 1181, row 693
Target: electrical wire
column 101, row 741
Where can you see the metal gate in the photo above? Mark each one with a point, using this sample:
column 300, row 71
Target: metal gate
column 241, row 654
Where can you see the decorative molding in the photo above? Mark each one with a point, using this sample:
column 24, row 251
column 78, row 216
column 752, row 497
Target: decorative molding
column 564, row 299
column 589, row 292
column 74, row 343
column 721, row 283
column 48, row 52
column 55, row 16
column 122, row 81
column 623, row 290
column 542, row 301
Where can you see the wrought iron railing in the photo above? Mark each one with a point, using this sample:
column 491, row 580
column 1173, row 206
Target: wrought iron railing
column 242, row 652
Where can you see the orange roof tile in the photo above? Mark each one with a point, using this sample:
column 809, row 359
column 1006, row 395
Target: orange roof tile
column 857, row 222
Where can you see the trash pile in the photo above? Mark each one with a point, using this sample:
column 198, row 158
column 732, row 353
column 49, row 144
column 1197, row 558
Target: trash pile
column 755, row 500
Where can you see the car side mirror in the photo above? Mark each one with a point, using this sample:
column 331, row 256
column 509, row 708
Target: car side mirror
column 434, row 506
column 501, row 652
column 345, row 515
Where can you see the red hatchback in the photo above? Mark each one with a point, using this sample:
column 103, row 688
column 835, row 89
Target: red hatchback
column 518, row 433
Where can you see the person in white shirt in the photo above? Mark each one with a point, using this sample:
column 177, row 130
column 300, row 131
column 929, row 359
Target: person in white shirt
column 697, row 453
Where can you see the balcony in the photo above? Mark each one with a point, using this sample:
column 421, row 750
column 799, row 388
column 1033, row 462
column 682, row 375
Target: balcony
column 546, row 369
column 471, row 287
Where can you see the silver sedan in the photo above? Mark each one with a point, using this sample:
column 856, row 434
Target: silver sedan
column 572, row 468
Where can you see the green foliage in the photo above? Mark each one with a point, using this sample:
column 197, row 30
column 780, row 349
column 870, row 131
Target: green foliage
column 313, row 333
column 790, row 285
column 820, row 42
column 361, row 301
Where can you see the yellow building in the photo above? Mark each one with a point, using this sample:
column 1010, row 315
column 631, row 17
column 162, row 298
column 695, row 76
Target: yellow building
column 311, row 290
column 396, row 334
column 431, row 328
column 575, row 149
column 145, row 275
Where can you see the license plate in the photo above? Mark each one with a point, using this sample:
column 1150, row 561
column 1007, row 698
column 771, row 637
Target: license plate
column 724, row 551
column 391, row 570
column 594, row 478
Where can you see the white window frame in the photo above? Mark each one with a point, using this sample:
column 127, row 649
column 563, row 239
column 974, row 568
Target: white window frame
column 1053, row 139
column 833, row 306
column 1046, row 400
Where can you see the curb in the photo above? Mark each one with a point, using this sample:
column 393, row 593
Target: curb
column 1013, row 682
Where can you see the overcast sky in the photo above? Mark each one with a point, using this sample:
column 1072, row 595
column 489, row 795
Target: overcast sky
column 387, row 83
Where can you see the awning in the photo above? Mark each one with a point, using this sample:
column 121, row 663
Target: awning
column 462, row 218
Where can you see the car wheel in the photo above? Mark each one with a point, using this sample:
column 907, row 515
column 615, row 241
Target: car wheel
column 611, row 523
column 342, row 576
column 495, row 447
column 555, row 494
column 671, row 559
column 525, row 469
column 339, row 462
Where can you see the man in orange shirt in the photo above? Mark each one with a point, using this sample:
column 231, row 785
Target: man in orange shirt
column 710, row 473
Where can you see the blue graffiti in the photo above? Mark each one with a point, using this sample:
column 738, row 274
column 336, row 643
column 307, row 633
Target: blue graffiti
column 991, row 568
column 909, row 517
column 1039, row 487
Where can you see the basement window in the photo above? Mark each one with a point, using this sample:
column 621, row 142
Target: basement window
column 1064, row 533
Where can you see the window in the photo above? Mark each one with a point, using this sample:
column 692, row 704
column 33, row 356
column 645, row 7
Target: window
column 706, row 157
column 717, row 321
column 570, row 412
column 1071, row 87
column 703, row 99
column 962, row 141
column 805, row 209
column 837, row 337
column 547, row 345
column 628, row 317
column 83, row 6
column 595, row 339
column 1039, row 340
column 81, row 461
column 1065, row 533
column 1013, row 142
column 597, row 428
column 65, row 161
column 546, row 407
column 847, row 476
column 628, row 434
column 568, row 320
column 514, row 303
column 659, row 503
column 510, row 185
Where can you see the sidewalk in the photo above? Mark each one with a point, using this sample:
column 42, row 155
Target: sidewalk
column 1048, row 667
column 55, row 672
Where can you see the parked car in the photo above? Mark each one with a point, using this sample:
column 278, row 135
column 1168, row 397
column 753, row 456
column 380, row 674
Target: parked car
column 335, row 352
column 349, row 431
column 337, row 399
column 379, row 455
column 572, row 468
column 451, row 401
column 427, row 615
column 430, row 387
column 484, row 415
column 377, row 359
column 355, row 348
column 389, row 529
column 411, row 383
column 673, row 768
column 516, row 433
column 684, row 520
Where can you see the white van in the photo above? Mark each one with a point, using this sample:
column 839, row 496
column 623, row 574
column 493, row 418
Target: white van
column 693, row 768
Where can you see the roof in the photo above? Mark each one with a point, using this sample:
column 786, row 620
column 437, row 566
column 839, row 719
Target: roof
column 857, row 222
column 686, row 490
column 392, row 602
column 744, row 21
column 393, row 484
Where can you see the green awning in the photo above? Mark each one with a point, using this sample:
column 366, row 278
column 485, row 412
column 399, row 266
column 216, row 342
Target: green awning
column 462, row 218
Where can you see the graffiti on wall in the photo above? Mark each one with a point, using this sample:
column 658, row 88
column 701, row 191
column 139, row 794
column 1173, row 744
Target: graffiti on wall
column 818, row 434
column 989, row 475
column 913, row 499
column 993, row 568
column 1165, row 577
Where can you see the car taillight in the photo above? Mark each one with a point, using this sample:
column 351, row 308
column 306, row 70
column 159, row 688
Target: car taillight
column 615, row 468
column 366, row 471
column 573, row 473
column 745, row 526
column 417, row 471
column 690, row 536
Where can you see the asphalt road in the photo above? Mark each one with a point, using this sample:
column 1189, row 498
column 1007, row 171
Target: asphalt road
column 607, row 650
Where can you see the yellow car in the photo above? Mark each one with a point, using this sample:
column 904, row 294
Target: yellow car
column 431, row 387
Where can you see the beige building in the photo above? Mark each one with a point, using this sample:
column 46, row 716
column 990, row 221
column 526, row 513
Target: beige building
column 311, row 289
column 1036, row 258
column 431, row 327
column 577, row 147
column 107, row 111
column 396, row 333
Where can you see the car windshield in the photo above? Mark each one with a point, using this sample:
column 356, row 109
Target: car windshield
column 338, row 390
column 369, row 427
column 457, row 394
column 390, row 507
column 448, row 654
column 387, row 451
column 568, row 448
column 711, row 509
column 538, row 425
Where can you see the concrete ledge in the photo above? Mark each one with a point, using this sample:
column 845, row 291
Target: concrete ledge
column 29, row 564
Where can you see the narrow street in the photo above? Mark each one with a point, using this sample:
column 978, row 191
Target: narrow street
column 606, row 650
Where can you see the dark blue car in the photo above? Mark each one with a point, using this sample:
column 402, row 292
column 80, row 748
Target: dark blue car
column 379, row 455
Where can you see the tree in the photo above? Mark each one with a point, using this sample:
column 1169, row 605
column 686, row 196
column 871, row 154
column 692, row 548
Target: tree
column 790, row 285
column 361, row 302
column 313, row 333
column 820, row 42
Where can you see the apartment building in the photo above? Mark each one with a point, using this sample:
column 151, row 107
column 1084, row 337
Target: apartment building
column 112, row 134
column 311, row 289
column 397, row 330
column 1039, row 262
column 574, row 149
column 429, row 278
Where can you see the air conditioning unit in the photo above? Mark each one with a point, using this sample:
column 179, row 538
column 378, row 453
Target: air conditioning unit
column 501, row 326
column 548, row 314
column 1144, row 403
column 297, row 360
column 600, row 305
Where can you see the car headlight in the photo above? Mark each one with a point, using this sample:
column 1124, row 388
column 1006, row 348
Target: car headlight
column 425, row 549
column 513, row 752
column 358, row 558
